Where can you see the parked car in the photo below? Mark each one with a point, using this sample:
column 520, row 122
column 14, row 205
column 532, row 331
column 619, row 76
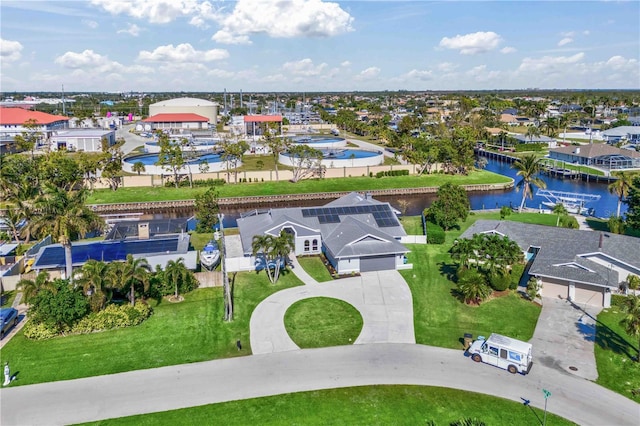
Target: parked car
column 8, row 318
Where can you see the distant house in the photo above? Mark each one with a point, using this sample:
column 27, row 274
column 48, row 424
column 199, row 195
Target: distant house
column 170, row 121
column 12, row 122
column 88, row 140
column 598, row 155
column 533, row 139
column 510, row 111
column 629, row 134
column 509, row 119
column 582, row 266
column 570, row 108
column 356, row 233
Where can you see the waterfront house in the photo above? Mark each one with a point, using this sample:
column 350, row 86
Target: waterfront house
column 356, row 233
column 597, row 155
column 583, row 266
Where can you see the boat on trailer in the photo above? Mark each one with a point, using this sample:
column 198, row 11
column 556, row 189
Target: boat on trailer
column 573, row 202
column 210, row 255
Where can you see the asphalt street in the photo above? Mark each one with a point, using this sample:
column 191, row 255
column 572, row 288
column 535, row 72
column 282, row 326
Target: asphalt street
column 167, row 388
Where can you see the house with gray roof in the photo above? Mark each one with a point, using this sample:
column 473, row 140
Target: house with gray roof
column 356, row 233
column 622, row 133
column 598, row 154
column 583, row 266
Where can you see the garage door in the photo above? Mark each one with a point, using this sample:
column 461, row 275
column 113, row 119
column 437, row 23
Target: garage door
column 377, row 263
column 554, row 290
column 586, row 295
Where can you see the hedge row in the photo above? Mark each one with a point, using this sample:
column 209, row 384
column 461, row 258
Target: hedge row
column 197, row 183
column 435, row 233
column 392, row 173
column 113, row 316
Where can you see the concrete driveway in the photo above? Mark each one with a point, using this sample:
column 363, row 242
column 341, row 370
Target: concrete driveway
column 565, row 336
column 382, row 298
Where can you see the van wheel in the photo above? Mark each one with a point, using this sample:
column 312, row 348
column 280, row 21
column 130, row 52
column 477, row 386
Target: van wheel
column 512, row 369
column 476, row 357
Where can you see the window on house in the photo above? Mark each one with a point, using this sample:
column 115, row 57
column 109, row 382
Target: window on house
column 306, row 245
column 315, row 245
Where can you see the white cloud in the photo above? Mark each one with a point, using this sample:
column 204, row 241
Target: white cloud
column 565, row 40
column 89, row 23
column 155, row 11
column 10, row 50
column 182, row 53
column 285, row 19
column 568, row 34
column 345, row 64
column 132, row 29
column 549, row 63
column 217, row 73
column 304, row 67
column 508, row 49
column 419, row 74
column 586, row 32
column 88, row 60
column 470, row 44
column 446, row 66
column 368, row 73
column 620, row 63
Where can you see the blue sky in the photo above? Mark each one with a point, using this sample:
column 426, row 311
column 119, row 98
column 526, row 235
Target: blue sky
column 316, row 45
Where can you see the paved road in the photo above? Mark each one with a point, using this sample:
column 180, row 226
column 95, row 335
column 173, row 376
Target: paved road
column 189, row 385
column 383, row 299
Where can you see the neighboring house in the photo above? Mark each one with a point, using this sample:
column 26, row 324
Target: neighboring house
column 534, row 139
column 583, row 266
column 598, row 155
column 570, row 108
column 88, row 140
column 623, row 133
column 509, row 119
column 177, row 121
column 356, row 233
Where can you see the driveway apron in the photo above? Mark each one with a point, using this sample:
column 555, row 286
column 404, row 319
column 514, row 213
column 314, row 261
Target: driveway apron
column 565, row 336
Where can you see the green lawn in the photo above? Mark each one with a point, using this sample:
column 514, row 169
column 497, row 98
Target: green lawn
column 412, row 225
column 615, row 353
column 367, row 405
column 440, row 319
column 7, row 298
column 179, row 333
column 321, row 322
column 199, row 240
column 144, row 194
column 314, row 266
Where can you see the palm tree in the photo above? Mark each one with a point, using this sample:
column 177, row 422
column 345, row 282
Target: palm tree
column 138, row 167
column 30, row 288
column 64, row 215
column 560, row 210
column 528, row 167
column 533, row 131
column 631, row 320
column 96, row 282
column 621, row 186
column 261, row 244
column 130, row 273
column 282, row 246
column 472, row 286
column 176, row 272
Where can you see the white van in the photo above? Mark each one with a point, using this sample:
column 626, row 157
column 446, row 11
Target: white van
column 504, row 352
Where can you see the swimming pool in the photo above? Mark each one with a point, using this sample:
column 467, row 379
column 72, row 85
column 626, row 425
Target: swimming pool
column 342, row 158
column 214, row 164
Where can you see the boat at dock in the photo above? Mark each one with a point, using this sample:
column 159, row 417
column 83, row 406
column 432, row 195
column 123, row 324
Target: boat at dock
column 573, row 202
column 210, row 255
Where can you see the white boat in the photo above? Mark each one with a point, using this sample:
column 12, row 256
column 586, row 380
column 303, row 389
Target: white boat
column 210, row 255
column 573, row 202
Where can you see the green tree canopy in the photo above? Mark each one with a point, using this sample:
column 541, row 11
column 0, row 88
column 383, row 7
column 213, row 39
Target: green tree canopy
column 59, row 305
column 451, row 206
column 207, row 210
column 633, row 202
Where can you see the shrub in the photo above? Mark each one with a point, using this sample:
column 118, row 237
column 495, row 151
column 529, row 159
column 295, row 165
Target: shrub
column 533, row 288
column 516, row 274
column 616, row 225
column 500, row 281
column 435, row 233
column 567, row 221
column 392, row 173
column 113, row 316
column 39, row 331
column 197, row 183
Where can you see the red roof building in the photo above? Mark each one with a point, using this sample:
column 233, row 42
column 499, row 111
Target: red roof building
column 262, row 118
column 18, row 116
column 177, row 121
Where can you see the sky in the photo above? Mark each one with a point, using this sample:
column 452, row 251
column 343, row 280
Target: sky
column 317, row 45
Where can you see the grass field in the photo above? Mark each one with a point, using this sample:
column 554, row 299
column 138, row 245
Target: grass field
column 616, row 352
column 144, row 194
column 314, row 266
column 185, row 332
column 367, row 405
column 320, row 322
column 440, row 319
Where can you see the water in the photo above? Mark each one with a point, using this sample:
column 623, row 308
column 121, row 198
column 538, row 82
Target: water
column 316, row 139
column 346, row 154
column 415, row 204
column 151, row 159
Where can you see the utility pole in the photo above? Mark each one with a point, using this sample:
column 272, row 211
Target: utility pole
column 228, row 303
column 64, row 111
